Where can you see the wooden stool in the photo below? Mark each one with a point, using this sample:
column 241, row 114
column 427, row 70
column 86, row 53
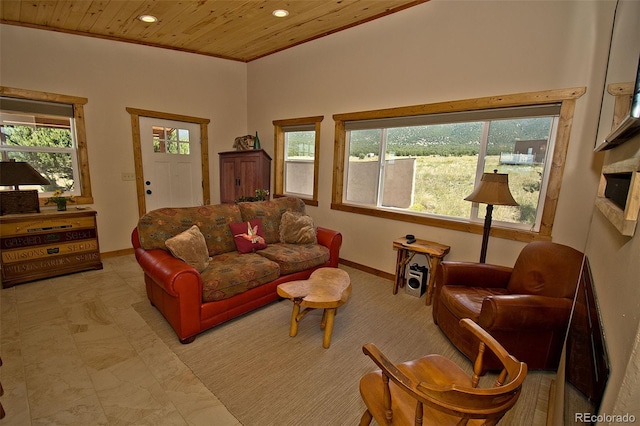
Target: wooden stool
column 326, row 288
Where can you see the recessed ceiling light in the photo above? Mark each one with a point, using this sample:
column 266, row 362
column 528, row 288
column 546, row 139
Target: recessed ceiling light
column 148, row 18
column 280, row 13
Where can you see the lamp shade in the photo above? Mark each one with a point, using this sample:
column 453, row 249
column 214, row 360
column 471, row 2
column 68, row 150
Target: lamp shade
column 14, row 173
column 493, row 189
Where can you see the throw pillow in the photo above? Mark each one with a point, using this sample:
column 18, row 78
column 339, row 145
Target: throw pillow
column 297, row 228
column 190, row 247
column 248, row 236
column 270, row 213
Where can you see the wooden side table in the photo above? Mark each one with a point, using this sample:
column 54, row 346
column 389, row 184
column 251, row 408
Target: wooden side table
column 435, row 252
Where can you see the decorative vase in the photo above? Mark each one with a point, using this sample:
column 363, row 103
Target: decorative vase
column 62, row 205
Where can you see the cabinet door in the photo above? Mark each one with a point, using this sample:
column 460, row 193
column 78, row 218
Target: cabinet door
column 248, row 173
column 228, row 180
column 241, row 173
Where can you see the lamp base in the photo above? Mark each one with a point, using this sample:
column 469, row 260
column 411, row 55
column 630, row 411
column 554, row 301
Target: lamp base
column 485, row 233
column 16, row 202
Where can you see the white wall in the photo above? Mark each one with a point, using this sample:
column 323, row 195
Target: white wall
column 437, row 51
column 615, row 259
column 615, row 263
column 114, row 76
column 444, row 50
column 433, row 52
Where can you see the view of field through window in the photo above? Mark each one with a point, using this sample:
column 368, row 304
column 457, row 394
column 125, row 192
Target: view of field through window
column 300, row 145
column 442, row 183
column 449, row 157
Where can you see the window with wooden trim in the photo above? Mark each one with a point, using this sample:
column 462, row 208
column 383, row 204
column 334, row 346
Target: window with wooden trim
column 297, row 149
column 418, row 163
column 47, row 131
column 171, row 140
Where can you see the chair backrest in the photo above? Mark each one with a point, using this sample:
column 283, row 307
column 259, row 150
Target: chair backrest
column 463, row 401
column 548, row 269
column 486, row 403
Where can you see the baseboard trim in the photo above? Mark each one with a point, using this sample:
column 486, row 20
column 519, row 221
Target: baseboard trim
column 342, row 261
column 117, row 253
column 367, row 269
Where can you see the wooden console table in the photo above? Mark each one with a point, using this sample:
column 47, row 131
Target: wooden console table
column 435, row 252
column 42, row 245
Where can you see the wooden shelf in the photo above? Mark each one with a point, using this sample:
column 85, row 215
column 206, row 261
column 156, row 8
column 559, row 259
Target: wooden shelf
column 625, row 220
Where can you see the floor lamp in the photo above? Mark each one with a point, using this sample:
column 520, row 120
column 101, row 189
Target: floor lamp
column 493, row 190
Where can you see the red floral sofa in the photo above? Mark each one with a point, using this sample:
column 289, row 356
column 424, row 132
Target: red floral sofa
column 232, row 283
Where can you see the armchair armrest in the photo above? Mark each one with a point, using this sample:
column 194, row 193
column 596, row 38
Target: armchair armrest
column 435, row 381
column 332, row 240
column 391, row 371
column 472, row 274
column 522, row 312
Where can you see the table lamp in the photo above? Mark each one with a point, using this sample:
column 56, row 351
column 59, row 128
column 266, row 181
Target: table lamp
column 492, row 190
column 15, row 173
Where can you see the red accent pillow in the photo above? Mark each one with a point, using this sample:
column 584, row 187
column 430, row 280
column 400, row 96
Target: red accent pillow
column 248, row 236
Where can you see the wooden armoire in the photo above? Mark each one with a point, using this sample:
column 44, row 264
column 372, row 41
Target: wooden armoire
column 242, row 172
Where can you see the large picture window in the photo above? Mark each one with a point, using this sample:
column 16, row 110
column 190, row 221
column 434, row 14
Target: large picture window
column 47, row 131
column 297, row 147
column 419, row 163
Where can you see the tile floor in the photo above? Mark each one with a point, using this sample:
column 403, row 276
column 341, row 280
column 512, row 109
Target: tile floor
column 75, row 352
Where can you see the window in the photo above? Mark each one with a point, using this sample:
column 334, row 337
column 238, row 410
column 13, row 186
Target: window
column 297, row 149
column 47, row 131
column 419, row 163
column 168, row 140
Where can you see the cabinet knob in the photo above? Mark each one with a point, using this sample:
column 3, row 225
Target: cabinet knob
column 149, row 191
column 147, row 183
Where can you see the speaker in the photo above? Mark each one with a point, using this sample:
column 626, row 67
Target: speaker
column 416, row 280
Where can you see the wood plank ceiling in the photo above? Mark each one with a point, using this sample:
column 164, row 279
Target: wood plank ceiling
column 241, row 30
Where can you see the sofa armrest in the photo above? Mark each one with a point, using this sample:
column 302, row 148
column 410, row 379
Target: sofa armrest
column 523, row 312
column 175, row 276
column 332, row 240
column 472, row 274
column 135, row 238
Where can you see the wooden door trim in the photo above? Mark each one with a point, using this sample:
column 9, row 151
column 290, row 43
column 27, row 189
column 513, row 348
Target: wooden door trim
column 136, row 113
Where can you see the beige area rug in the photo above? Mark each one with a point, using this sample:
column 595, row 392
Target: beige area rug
column 265, row 377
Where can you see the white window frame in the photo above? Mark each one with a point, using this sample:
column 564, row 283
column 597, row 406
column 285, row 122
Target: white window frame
column 566, row 98
column 80, row 161
column 281, row 128
column 551, row 112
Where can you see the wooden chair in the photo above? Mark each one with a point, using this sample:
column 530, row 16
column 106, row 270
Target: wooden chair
column 433, row 390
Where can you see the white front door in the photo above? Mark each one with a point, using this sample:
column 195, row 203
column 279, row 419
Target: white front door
column 171, row 163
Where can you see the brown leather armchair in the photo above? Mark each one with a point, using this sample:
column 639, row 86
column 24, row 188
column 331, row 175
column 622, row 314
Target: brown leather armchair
column 526, row 308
